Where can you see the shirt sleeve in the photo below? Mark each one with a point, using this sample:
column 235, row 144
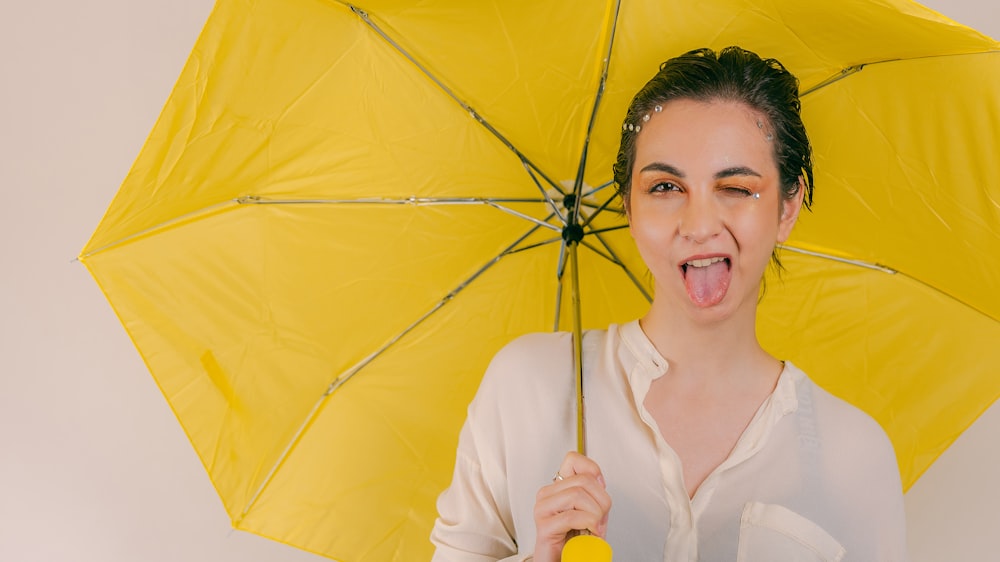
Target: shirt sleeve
column 469, row 527
column 503, row 457
column 880, row 500
column 865, row 481
column 474, row 523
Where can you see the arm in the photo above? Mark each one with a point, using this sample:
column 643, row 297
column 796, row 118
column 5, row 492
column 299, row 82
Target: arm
column 518, row 427
column 869, row 490
column 471, row 526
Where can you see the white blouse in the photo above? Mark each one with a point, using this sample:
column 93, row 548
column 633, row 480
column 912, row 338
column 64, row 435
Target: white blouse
column 811, row 478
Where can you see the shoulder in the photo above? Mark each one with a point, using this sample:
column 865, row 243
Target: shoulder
column 528, row 366
column 532, row 350
column 533, row 357
column 536, row 367
column 844, row 429
column 858, row 469
column 528, row 360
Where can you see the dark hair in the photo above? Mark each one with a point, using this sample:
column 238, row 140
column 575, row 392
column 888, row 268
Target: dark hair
column 737, row 75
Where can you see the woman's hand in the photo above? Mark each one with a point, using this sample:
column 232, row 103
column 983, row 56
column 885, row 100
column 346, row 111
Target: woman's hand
column 576, row 502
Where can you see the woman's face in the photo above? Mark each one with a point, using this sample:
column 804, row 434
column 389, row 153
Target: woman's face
column 705, row 208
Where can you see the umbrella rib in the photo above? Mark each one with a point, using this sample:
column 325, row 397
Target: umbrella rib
column 849, row 261
column 526, row 217
column 357, row 367
column 622, row 264
column 178, row 219
column 415, row 201
column 495, row 202
column 601, row 253
column 450, row 93
column 844, row 73
column 412, row 200
column 603, row 186
column 536, row 245
column 339, row 381
column 607, row 229
column 603, row 207
column 545, row 193
column 887, row 270
column 854, row 69
column 601, row 85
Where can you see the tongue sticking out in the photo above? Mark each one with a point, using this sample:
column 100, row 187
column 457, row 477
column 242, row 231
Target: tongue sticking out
column 706, row 286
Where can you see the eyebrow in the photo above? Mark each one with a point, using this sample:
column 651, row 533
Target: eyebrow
column 721, row 174
column 662, row 167
column 736, row 171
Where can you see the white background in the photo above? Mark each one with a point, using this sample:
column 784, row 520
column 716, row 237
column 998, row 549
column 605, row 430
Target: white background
column 93, row 466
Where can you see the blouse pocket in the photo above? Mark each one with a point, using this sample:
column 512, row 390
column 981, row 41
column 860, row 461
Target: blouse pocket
column 775, row 533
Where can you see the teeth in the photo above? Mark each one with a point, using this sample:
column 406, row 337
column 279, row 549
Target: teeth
column 705, row 262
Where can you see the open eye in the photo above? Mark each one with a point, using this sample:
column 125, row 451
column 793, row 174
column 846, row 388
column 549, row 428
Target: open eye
column 664, row 187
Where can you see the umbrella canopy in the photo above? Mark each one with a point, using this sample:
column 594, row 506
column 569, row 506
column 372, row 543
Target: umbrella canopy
column 344, row 211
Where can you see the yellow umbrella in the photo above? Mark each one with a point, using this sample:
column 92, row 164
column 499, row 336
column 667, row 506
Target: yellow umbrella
column 343, row 211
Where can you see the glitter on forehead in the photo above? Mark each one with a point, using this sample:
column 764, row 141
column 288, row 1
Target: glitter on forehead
column 645, row 119
column 768, row 136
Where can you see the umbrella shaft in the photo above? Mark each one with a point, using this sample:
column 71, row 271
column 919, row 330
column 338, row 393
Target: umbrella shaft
column 581, row 433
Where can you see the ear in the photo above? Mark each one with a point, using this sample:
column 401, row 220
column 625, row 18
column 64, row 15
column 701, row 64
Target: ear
column 790, row 212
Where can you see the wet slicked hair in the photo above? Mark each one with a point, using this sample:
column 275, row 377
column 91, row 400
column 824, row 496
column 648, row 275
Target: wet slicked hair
column 736, row 75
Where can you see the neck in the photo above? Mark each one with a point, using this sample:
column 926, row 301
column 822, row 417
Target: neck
column 697, row 345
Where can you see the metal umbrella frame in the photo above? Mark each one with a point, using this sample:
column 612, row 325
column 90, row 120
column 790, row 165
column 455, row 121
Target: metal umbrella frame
column 192, row 244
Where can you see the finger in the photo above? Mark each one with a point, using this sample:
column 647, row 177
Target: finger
column 560, row 525
column 579, row 470
column 576, row 500
column 557, row 528
column 570, row 498
column 574, row 463
column 581, row 491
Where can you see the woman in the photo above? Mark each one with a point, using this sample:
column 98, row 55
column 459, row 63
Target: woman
column 710, row 448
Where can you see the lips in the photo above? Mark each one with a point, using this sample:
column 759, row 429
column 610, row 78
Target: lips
column 707, row 279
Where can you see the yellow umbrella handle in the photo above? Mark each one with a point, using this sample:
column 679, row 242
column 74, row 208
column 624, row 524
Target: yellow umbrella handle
column 586, row 548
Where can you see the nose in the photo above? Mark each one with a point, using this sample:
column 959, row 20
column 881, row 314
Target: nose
column 700, row 219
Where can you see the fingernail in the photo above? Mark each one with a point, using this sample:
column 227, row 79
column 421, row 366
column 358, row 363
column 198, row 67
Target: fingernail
column 600, row 478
